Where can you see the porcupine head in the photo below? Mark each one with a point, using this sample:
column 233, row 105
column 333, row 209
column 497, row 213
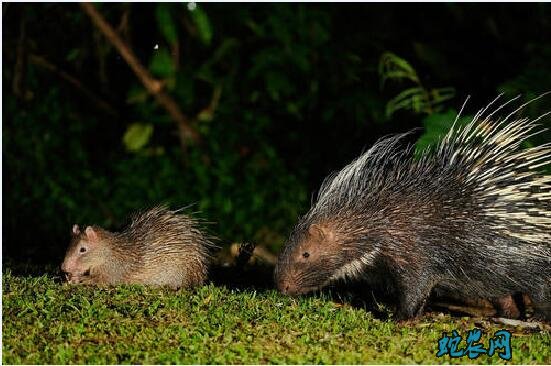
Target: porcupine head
column 87, row 250
column 340, row 235
column 317, row 253
column 308, row 260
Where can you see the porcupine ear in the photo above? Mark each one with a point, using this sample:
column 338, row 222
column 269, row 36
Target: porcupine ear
column 76, row 230
column 92, row 234
column 321, row 232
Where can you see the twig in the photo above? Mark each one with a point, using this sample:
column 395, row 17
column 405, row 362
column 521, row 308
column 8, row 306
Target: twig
column 123, row 27
column 18, row 85
column 533, row 325
column 175, row 51
column 244, row 254
column 153, row 86
column 42, row 62
column 470, row 310
column 216, row 93
column 245, row 251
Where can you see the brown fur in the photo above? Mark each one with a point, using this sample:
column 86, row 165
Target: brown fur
column 159, row 248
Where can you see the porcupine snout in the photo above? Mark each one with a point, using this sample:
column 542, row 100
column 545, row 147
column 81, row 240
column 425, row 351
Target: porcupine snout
column 287, row 284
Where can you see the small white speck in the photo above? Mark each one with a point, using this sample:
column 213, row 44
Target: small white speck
column 191, row 6
column 156, row 47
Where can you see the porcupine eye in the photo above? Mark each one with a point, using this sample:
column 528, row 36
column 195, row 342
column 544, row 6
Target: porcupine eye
column 82, row 249
column 305, row 254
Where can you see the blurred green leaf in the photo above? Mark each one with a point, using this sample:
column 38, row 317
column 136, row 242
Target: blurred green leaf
column 419, row 100
column 393, row 67
column 206, row 70
column 162, row 64
column 277, row 84
column 412, row 98
column 137, row 94
column 440, row 95
column 73, row 54
column 202, row 22
column 185, row 89
column 165, row 22
column 137, row 135
column 205, row 115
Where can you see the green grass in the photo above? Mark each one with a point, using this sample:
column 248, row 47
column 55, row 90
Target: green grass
column 45, row 322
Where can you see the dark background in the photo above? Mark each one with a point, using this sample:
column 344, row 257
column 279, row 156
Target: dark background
column 280, row 95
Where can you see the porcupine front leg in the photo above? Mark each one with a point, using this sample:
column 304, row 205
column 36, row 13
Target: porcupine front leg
column 94, row 277
column 90, row 280
column 414, row 290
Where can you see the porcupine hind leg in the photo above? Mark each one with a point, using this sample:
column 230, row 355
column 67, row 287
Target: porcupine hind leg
column 542, row 304
column 506, row 307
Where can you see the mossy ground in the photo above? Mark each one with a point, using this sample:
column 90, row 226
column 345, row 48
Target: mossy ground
column 47, row 322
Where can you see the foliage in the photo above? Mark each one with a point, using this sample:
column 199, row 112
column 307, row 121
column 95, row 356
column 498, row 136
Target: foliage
column 437, row 125
column 418, row 98
column 44, row 322
column 280, row 95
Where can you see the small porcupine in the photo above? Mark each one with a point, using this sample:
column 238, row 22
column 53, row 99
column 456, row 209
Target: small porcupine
column 160, row 247
column 472, row 216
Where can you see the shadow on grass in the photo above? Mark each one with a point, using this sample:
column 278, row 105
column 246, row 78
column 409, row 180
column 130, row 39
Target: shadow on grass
column 259, row 277
column 31, row 269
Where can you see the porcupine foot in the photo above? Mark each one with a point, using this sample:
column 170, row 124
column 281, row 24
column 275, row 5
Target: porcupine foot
column 542, row 306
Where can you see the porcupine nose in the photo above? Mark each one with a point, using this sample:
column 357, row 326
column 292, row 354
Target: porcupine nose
column 287, row 287
column 66, row 271
column 285, row 279
column 290, row 290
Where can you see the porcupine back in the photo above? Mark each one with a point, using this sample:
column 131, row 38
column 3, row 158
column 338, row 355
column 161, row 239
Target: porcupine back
column 166, row 240
column 486, row 175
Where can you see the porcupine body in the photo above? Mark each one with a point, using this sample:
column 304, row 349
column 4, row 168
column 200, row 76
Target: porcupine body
column 160, row 247
column 472, row 216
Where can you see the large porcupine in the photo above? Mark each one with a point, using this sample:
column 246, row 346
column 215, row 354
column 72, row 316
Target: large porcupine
column 160, row 247
column 472, row 216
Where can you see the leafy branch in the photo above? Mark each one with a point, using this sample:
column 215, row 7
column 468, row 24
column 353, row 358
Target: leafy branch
column 155, row 87
column 418, row 98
